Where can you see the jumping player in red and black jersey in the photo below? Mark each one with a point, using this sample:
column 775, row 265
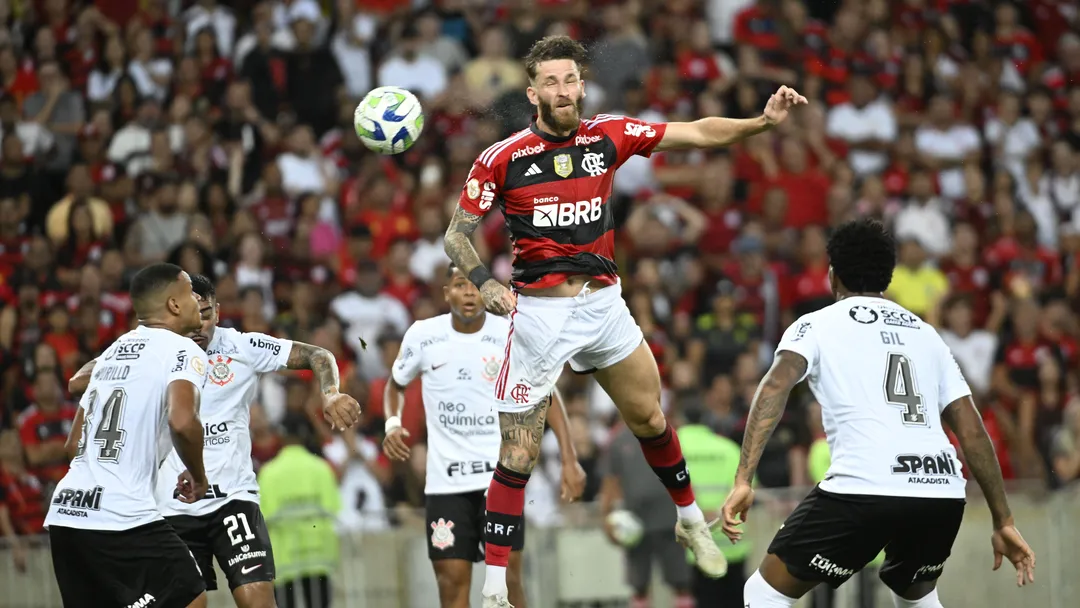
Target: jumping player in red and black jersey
column 553, row 182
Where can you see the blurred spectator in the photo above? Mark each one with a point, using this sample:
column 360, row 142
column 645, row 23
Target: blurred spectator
column 867, row 124
column 410, row 69
column 44, row 428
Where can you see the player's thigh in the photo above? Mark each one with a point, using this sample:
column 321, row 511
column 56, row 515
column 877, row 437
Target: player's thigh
column 829, row 537
column 539, row 344
column 634, row 386
column 241, row 544
column 609, row 332
column 148, row 564
column 924, row 534
column 71, row 567
column 455, row 526
column 196, row 532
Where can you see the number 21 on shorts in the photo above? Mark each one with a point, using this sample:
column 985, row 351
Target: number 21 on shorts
column 233, row 523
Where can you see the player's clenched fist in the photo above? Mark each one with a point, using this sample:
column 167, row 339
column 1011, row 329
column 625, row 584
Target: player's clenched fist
column 191, row 489
column 498, row 299
column 394, row 445
column 340, row 410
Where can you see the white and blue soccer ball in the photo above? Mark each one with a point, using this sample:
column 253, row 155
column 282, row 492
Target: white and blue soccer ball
column 625, row 527
column 389, row 120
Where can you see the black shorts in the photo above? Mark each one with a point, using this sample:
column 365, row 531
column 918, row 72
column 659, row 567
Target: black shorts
column 236, row 535
column 829, row 537
column 455, row 526
column 148, row 565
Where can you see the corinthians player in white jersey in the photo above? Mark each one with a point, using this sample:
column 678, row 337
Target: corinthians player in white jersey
column 228, row 524
column 110, row 545
column 459, row 356
column 887, row 384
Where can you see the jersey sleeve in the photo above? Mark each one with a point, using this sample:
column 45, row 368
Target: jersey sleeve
column 186, row 362
column 952, row 385
column 482, row 186
column 631, row 135
column 264, row 353
column 801, row 339
column 408, row 363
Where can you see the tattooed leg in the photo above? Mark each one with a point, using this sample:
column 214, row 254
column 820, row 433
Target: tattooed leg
column 521, row 436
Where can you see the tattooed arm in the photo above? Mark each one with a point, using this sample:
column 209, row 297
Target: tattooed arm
column 318, row 360
column 765, row 412
column 521, row 435
column 340, row 410
column 459, row 248
column 964, row 420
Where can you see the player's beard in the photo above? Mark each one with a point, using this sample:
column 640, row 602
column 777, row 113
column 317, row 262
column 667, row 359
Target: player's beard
column 550, row 118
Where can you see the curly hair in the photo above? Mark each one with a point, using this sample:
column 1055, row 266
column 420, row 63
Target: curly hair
column 863, row 256
column 551, row 48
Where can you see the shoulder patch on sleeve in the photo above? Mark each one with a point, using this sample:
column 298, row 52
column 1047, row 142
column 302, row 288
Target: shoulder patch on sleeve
column 198, row 366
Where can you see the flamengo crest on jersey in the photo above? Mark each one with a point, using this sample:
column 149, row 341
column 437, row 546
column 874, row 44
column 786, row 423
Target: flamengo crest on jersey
column 125, row 434
column 234, row 363
column 554, row 194
column 882, row 376
column 458, row 373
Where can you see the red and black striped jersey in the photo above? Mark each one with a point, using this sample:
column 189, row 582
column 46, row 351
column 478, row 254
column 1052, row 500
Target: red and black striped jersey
column 555, row 193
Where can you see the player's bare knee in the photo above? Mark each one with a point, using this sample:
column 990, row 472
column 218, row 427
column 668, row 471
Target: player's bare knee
column 200, row 602
column 519, row 459
column 255, row 595
column 646, row 423
column 453, row 585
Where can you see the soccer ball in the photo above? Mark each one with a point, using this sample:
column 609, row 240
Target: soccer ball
column 389, row 120
column 625, row 527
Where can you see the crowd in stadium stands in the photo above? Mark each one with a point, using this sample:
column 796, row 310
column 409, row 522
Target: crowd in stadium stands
column 221, row 139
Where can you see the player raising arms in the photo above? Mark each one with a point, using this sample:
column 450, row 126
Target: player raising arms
column 459, row 355
column 553, row 182
column 110, row 544
column 228, row 524
column 885, row 381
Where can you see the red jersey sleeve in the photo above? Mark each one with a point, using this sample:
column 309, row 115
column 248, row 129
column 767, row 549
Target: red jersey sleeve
column 482, row 186
column 631, row 136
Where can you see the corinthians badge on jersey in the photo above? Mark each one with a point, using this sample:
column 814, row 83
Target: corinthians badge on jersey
column 563, row 165
column 220, row 373
column 492, row 365
column 442, row 535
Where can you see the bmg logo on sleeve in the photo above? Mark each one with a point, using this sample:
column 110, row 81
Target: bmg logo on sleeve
column 273, row 347
column 568, row 214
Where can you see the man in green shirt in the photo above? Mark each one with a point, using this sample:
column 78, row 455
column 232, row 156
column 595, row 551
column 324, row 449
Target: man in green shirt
column 713, row 460
column 300, row 501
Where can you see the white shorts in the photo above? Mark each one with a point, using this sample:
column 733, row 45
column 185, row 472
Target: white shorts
column 591, row 330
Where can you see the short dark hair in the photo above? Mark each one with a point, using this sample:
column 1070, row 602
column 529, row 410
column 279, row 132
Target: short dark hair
column 203, row 287
column 149, row 283
column 863, row 256
column 450, row 271
column 550, row 48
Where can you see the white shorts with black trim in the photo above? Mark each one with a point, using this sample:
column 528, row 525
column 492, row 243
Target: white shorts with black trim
column 592, row 330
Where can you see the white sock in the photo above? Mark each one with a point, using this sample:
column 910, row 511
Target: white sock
column 495, row 581
column 757, row 593
column 930, row 600
column 690, row 512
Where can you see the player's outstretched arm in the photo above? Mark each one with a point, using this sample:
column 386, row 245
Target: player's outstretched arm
column 573, row 476
column 459, row 248
column 394, row 445
column 787, row 370
column 963, row 418
column 717, row 131
column 81, row 380
column 182, row 400
column 340, row 410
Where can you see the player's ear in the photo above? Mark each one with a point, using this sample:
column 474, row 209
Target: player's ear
column 446, row 293
column 173, row 306
column 530, row 92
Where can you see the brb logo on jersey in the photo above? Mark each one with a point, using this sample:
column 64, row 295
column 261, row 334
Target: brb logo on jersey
column 568, row 214
column 220, row 373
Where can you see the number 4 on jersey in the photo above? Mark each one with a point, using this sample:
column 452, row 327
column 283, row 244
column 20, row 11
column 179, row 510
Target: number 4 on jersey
column 900, row 390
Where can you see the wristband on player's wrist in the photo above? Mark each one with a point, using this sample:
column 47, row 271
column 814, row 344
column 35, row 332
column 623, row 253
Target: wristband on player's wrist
column 392, row 423
column 479, row 276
